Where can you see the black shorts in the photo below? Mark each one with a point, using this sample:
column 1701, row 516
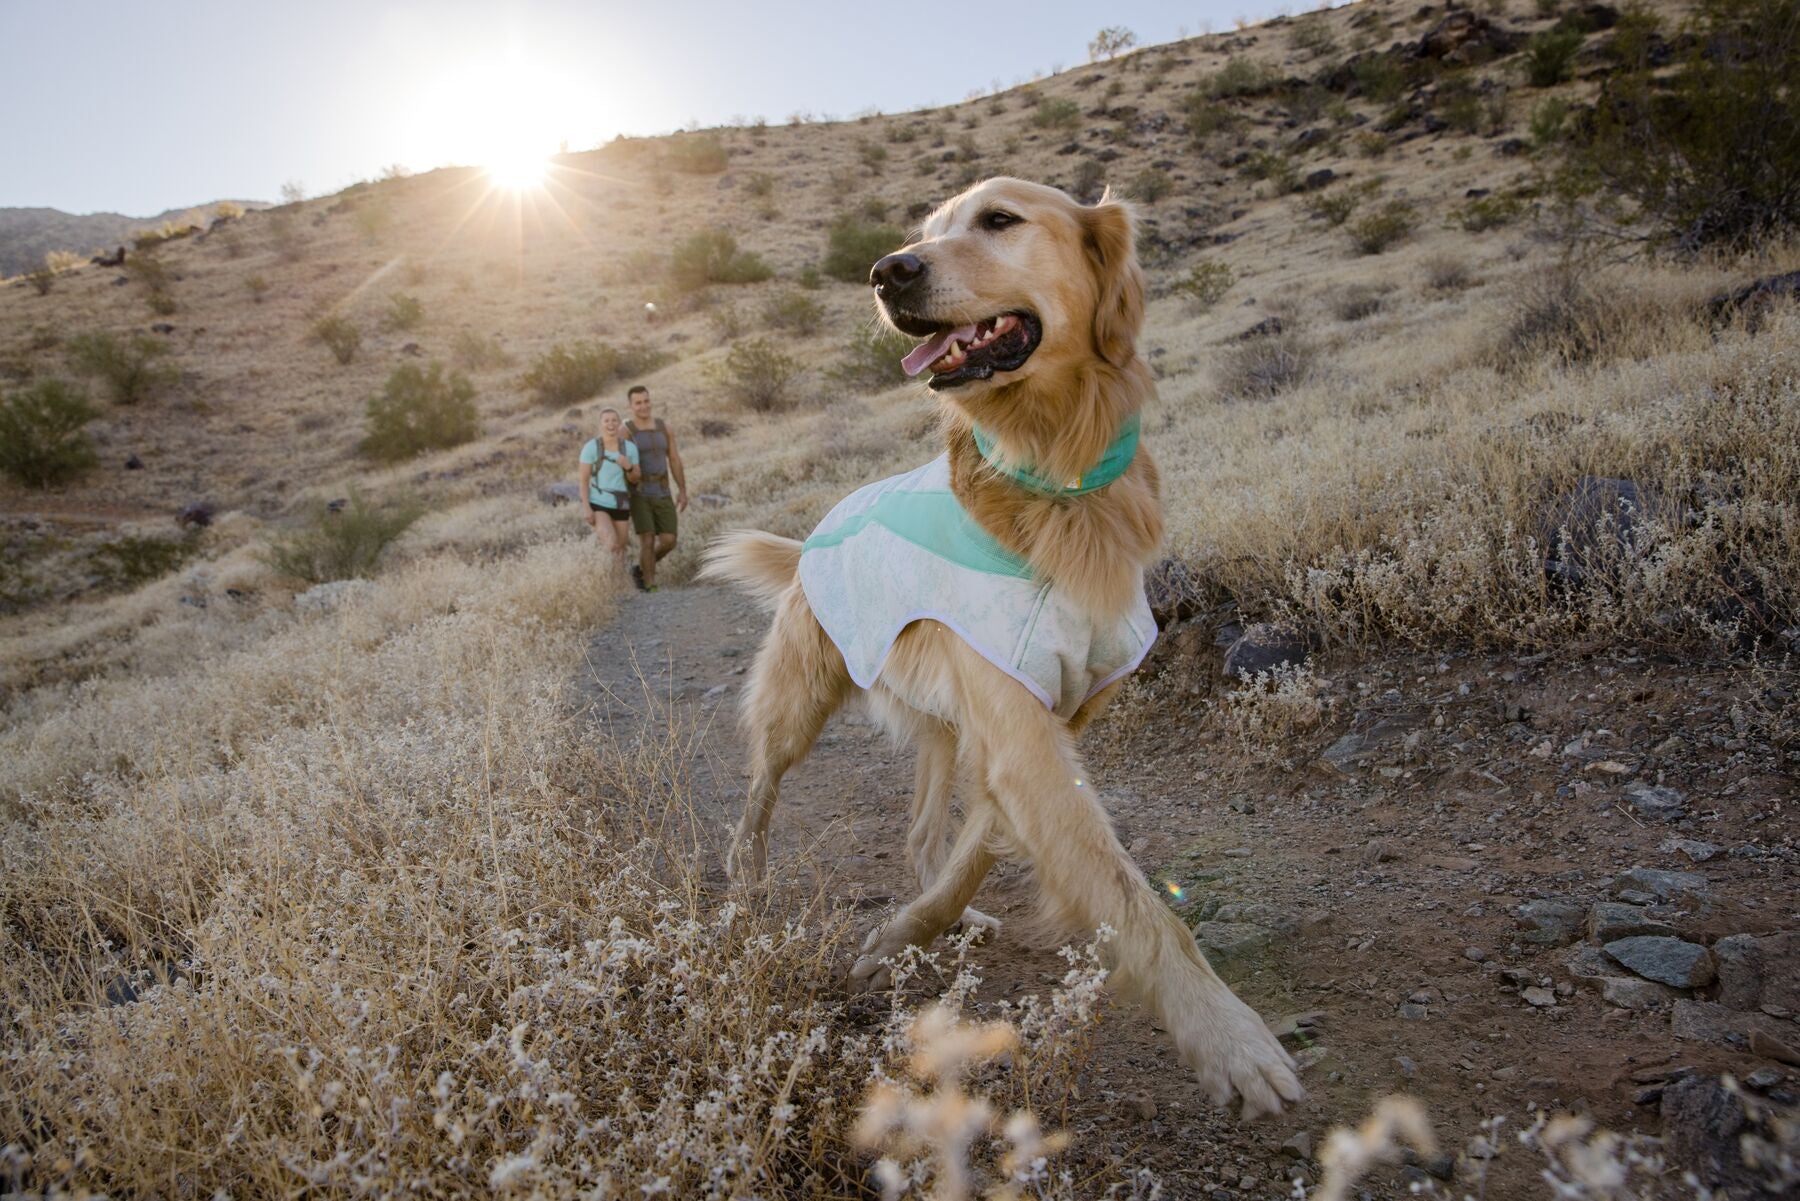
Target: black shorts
column 619, row 514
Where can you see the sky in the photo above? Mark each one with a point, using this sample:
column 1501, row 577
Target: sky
column 135, row 109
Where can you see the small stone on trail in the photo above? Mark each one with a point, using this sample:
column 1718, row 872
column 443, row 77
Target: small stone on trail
column 1407, row 1067
column 1655, row 802
column 1770, row 1047
column 715, row 691
column 1238, row 853
column 1550, row 922
column 1411, row 1012
column 1628, row 992
column 1663, row 885
column 1538, row 998
column 1694, row 849
column 1609, row 920
column 1298, row 1147
column 1475, row 954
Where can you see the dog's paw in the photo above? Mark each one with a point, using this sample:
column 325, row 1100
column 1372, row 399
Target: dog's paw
column 1235, row 1056
column 975, row 919
column 747, row 863
column 873, row 969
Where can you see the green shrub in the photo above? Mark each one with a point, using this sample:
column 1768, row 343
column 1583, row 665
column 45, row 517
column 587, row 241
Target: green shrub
column 1276, row 167
column 1547, row 121
column 1090, row 177
column 760, row 184
column 42, row 439
column 419, row 411
column 1549, row 57
column 873, row 208
column 1446, row 273
column 168, row 231
column 1314, row 37
column 1054, row 112
column 42, row 279
column 1242, row 77
column 1335, row 206
column 339, row 334
column 1710, row 154
column 1488, row 212
column 872, row 361
column 758, row 374
column 578, row 372
column 697, row 153
column 1205, row 284
column 1380, row 78
column 854, row 245
column 810, row 279
column 404, row 312
column 1265, row 367
column 794, row 311
column 1150, row 185
column 1357, row 301
column 126, row 365
column 341, row 546
column 712, row 257
column 874, row 155
column 1204, row 116
column 1375, row 232
column 130, row 560
column 1371, row 143
column 259, row 287
column 477, row 352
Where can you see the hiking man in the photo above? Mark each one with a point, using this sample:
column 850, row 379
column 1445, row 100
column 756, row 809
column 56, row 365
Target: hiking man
column 652, row 510
column 609, row 465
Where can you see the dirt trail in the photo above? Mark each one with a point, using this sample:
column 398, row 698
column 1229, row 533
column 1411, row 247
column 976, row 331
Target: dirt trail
column 1382, row 895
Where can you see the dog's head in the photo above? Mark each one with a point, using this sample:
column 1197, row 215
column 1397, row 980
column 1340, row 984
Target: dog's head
column 1013, row 280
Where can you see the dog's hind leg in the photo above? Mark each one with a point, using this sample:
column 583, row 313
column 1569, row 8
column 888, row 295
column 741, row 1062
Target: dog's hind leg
column 938, row 908
column 932, row 833
column 1089, row 881
column 796, row 684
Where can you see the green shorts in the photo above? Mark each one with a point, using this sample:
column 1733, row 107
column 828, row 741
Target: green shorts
column 653, row 514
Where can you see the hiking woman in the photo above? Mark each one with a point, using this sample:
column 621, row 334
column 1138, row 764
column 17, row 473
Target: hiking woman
column 609, row 466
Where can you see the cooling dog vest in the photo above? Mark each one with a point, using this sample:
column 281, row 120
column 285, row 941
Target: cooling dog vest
column 904, row 550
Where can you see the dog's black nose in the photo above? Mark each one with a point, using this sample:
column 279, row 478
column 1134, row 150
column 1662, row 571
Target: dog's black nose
column 895, row 274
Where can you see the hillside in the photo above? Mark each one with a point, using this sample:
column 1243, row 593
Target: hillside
column 28, row 234
column 1388, row 377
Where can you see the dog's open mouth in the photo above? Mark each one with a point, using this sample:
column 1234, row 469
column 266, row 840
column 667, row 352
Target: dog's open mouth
column 971, row 352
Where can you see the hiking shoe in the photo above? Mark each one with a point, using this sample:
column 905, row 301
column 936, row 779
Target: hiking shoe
column 637, row 577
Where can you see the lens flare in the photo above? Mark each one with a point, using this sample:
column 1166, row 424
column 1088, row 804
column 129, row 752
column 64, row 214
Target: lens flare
column 1174, row 889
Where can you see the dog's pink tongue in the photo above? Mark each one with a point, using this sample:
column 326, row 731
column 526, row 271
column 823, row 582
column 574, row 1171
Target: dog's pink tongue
column 932, row 349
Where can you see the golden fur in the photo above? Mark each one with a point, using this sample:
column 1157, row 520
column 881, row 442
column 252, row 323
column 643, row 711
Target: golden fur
column 1023, row 788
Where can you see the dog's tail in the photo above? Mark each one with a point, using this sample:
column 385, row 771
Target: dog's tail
column 762, row 564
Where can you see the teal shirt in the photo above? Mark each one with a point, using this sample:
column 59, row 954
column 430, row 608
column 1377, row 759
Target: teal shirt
column 608, row 476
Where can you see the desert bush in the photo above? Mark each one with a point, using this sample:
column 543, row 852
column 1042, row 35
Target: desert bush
column 1055, row 112
column 419, row 410
column 285, row 235
column 152, row 274
column 758, row 374
column 1314, row 38
column 1242, row 77
column 1261, row 368
column 1547, row 122
column 873, row 208
column 1458, row 104
column 1090, row 177
column 228, row 210
column 872, row 155
column 1275, row 167
column 1708, row 155
column 371, row 214
column 1204, row 284
column 41, row 279
column 1558, row 315
column 341, row 545
column 1268, row 710
column 794, row 311
column 168, row 231
column 872, row 360
column 404, row 312
column 258, row 286
column 1335, row 206
column 1481, row 213
column 1111, row 42
column 569, row 374
column 1204, row 116
column 1549, row 56
column 1357, row 301
column 474, row 351
column 853, row 246
column 1446, row 273
column 129, row 560
column 697, row 153
column 340, row 336
column 1371, row 143
column 712, row 257
column 1375, row 232
column 1150, row 185
column 43, row 435
column 760, row 184
column 127, row 365
column 1381, row 78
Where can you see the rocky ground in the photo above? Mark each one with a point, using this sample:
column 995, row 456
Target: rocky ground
column 1497, row 883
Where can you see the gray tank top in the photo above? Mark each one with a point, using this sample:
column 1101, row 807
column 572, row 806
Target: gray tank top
column 653, row 458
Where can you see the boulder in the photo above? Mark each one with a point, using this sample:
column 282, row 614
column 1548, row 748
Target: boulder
column 1655, row 802
column 560, row 494
column 1663, row 885
column 1703, row 1129
column 1264, row 647
column 1628, row 992
column 1464, row 38
column 1553, row 923
column 1671, row 961
column 1758, row 970
column 324, row 598
column 195, row 515
column 1752, row 302
column 1609, row 921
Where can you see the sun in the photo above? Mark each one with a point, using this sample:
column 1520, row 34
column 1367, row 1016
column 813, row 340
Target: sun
column 517, row 170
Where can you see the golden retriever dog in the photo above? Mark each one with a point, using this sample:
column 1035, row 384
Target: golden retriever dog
column 1029, row 305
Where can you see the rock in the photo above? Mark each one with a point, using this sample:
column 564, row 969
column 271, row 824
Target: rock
column 1412, row 1011
column 1555, row 923
column 1264, row 647
column 412, row 349
column 1663, row 885
column 1463, row 38
column 1278, row 918
column 1141, row 1106
column 1591, row 964
column 1315, row 180
column 1268, row 327
column 1176, row 592
column 1763, row 1079
column 1609, row 921
column 323, row 598
column 1538, row 998
column 1708, row 1022
column 1298, row 1146
column 1703, row 1123
column 1474, row 954
column 1344, row 753
column 1752, row 302
column 121, row 991
column 162, row 327
column 1628, row 992
column 1759, row 970
column 1694, row 849
column 1670, row 961
column 1230, row 940
column 711, row 500
column 1590, row 529
column 196, row 514
column 1769, row 1047
column 1297, row 1025
column 1655, row 802
column 561, row 493
column 1441, row 1165
column 717, row 690
column 133, row 463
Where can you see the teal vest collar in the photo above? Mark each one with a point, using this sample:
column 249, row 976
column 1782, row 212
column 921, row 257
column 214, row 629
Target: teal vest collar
column 1111, row 466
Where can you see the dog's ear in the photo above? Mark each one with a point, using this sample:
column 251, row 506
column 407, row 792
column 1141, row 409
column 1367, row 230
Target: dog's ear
column 1119, row 282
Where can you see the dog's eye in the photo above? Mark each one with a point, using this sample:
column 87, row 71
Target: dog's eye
column 995, row 219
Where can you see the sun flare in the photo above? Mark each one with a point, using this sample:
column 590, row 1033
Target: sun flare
column 517, row 171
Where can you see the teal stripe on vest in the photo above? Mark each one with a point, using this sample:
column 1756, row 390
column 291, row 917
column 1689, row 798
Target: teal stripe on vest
column 1113, row 462
column 935, row 521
